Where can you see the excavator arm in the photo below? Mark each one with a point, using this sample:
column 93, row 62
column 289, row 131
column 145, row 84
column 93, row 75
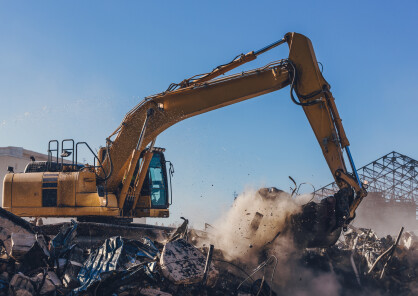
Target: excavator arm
column 130, row 178
column 207, row 92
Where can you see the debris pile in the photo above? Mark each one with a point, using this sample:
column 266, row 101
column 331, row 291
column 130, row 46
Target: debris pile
column 33, row 262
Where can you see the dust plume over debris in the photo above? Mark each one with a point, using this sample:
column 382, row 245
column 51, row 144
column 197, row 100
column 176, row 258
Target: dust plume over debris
column 254, row 230
column 256, row 219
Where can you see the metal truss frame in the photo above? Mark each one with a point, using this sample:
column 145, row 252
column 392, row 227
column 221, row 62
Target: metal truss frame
column 394, row 175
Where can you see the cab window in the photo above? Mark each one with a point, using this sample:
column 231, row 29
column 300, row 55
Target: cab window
column 157, row 182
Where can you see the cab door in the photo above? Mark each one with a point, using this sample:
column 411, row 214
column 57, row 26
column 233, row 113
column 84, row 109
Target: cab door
column 155, row 184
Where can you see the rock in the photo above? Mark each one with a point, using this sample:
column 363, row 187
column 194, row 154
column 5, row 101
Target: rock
column 409, row 240
column 45, row 283
column 21, row 244
column 153, row 292
column 12, row 224
column 52, row 276
column 255, row 223
column 21, row 285
column 30, row 249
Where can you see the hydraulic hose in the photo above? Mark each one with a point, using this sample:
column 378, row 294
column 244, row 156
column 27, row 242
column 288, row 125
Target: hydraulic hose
column 292, row 86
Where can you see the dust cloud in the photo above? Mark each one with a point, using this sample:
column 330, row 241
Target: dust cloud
column 253, row 231
column 255, row 220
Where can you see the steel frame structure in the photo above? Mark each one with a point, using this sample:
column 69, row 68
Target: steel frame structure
column 394, row 175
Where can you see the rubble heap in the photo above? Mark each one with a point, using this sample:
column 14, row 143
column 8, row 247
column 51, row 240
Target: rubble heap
column 33, row 263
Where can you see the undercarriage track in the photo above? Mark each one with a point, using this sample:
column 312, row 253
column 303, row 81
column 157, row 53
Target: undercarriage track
column 92, row 233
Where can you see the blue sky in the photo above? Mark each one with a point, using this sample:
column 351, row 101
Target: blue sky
column 73, row 69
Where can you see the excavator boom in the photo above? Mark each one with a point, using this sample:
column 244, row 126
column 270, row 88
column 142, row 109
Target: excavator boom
column 195, row 96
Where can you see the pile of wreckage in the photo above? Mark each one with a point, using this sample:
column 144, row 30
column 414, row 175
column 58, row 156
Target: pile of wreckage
column 34, row 262
column 367, row 265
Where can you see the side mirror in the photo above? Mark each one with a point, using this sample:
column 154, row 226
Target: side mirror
column 10, row 169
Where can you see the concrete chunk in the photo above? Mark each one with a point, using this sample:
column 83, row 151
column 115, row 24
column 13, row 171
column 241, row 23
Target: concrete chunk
column 10, row 223
column 21, row 244
column 21, row 285
column 182, row 263
column 153, row 292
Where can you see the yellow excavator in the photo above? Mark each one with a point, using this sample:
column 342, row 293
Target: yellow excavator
column 129, row 179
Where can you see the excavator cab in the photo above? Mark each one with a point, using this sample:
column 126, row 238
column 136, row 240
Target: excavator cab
column 155, row 195
column 156, row 183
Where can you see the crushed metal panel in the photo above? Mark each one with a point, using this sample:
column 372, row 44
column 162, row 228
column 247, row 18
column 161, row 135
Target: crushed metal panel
column 182, row 263
column 73, row 266
column 115, row 258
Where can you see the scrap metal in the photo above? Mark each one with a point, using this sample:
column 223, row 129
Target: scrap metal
column 174, row 265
